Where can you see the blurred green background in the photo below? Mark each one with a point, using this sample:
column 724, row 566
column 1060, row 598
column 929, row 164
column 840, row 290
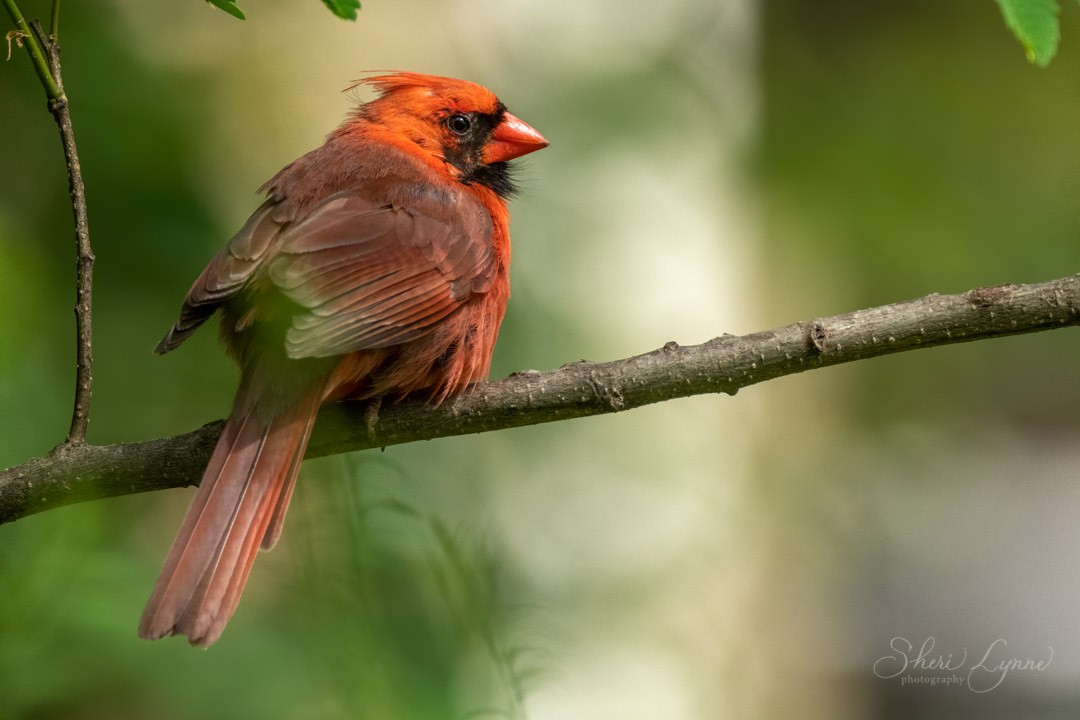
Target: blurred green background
column 715, row 167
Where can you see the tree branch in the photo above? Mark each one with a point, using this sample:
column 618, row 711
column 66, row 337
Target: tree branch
column 84, row 262
column 44, row 53
column 74, row 473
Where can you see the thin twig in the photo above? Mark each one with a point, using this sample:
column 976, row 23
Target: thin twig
column 723, row 365
column 84, row 269
column 84, row 256
column 44, row 54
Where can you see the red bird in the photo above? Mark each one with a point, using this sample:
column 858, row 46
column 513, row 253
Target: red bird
column 377, row 268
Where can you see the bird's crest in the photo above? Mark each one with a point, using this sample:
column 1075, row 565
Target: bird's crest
column 451, row 90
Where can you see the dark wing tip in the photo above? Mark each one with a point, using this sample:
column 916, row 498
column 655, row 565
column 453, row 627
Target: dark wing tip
column 167, row 343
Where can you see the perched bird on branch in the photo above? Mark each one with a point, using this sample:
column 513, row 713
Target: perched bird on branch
column 377, row 268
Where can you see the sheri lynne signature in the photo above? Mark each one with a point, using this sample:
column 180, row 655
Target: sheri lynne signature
column 985, row 675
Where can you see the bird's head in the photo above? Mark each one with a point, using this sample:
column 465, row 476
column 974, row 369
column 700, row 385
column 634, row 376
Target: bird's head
column 459, row 123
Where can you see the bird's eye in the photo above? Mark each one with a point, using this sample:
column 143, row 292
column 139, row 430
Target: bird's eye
column 460, row 124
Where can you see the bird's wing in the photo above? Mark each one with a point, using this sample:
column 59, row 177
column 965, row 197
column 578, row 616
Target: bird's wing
column 229, row 272
column 361, row 273
column 372, row 275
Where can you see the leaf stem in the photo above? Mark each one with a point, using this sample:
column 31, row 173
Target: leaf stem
column 37, row 53
column 54, row 21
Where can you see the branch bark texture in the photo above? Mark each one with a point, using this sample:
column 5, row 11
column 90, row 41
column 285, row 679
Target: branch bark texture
column 75, row 473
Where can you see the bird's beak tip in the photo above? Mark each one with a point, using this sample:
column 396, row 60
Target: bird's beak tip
column 512, row 138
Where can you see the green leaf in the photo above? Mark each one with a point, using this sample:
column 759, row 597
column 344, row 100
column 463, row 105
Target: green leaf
column 1035, row 25
column 228, row 6
column 345, row 9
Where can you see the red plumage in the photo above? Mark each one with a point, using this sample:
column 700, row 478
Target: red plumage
column 377, row 268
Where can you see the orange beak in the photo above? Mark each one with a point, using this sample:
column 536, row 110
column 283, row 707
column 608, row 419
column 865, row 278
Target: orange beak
column 513, row 137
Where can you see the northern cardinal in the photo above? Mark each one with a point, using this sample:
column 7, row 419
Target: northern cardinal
column 377, row 268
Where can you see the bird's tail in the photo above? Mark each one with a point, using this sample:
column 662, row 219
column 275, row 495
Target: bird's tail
column 239, row 507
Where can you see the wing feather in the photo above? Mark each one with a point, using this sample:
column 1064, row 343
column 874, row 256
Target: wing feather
column 360, row 271
column 373, row 276
column 230, row 270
